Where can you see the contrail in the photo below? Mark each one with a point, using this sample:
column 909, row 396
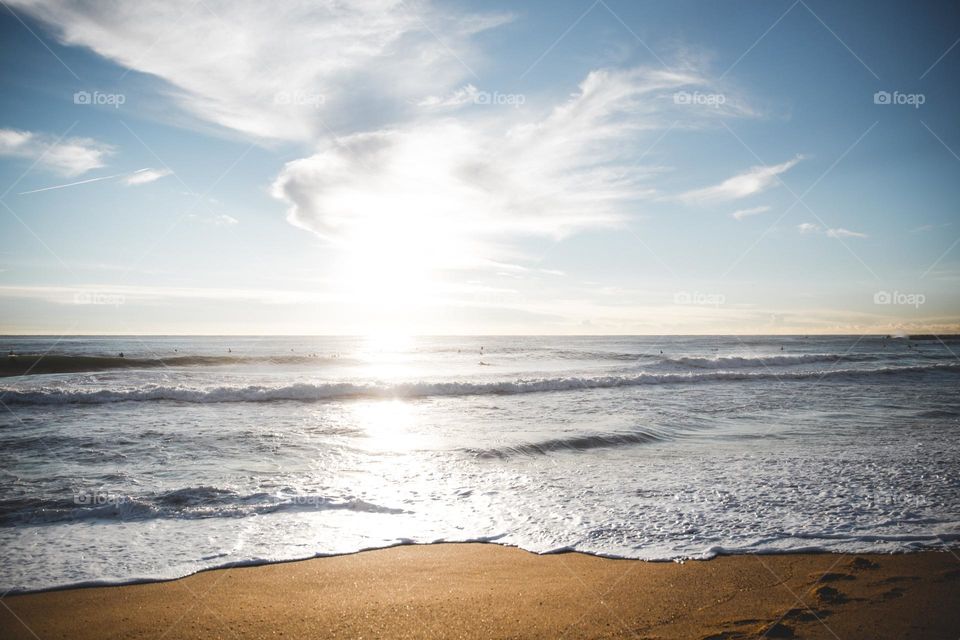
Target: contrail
column 73, row 184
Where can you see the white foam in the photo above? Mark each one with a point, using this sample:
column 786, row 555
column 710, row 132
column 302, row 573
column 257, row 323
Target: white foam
column 304, row 392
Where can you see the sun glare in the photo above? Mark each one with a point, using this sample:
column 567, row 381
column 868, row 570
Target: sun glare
column 391, row 267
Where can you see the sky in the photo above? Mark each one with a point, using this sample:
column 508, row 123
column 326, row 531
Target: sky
column 543, row 167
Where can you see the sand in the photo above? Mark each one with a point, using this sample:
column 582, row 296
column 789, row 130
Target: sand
column 489, row 591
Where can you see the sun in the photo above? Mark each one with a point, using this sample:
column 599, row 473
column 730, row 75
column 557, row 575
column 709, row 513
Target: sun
column 391, row 268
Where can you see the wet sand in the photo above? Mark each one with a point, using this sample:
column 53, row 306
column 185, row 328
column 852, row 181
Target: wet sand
column 489, row 591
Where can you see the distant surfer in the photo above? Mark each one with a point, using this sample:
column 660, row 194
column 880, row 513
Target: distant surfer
column 121, row 354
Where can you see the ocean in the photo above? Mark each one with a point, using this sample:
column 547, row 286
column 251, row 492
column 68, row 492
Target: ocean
column 189, row 453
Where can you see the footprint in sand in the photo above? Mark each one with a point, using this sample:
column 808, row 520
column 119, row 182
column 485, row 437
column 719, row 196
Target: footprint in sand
column 859, row 563
column 724, row 635
column 830, row 595
column 831, row 577
column 896, row 579
column 892, row 594
column 777, row 630
column 806, row 615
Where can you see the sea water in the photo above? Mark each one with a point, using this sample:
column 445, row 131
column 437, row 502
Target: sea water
column 196, row 452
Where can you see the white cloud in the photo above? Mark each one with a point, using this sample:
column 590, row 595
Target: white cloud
column 750, row 182
column 121, row 294
column 454, row 188
column 273, row 71
column 70, row 156
column 465, row 95
column 839, row 232
column 444, row 188
column 223, row 219
column 740, row 214
column 143, row 176
column 215, row 219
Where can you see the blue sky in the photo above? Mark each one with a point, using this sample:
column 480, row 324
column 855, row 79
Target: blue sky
column 541, row 167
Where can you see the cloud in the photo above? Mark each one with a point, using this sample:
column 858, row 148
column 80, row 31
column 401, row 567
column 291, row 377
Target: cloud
column 929, row 227
column 279, row 72
column 449, row 186
column 70, row 156
column 754, row 180
column 115, row 294
column 350, row 80
column 740, row 214
column 465, row 95
column 838, row 233
column 143, row 176
column 215, row 219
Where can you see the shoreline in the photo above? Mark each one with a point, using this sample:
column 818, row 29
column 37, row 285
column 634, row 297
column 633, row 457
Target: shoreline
column 252, row 564
column 476, row 589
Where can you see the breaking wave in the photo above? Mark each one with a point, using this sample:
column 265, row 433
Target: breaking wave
column 307, row 392
column 189, row 503
column 573, row 443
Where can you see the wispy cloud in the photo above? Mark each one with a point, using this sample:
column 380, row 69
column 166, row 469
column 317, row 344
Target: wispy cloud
column 740, row 214
column 752, row 181
column 216, row 219
column 929, row 227
column 148, row 294
column 464, row 95
column 451, row 190
column 70, row 156
column 485, row 176
column 255, row 68
column 839, row 232
column 143, row 176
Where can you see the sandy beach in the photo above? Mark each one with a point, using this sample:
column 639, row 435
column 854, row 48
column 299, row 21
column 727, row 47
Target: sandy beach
column 482, row 590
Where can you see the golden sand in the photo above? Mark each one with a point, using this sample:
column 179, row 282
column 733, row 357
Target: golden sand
column 489, row 591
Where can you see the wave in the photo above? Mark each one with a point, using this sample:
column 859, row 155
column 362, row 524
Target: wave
column 317, row 392
column 574, row 443
column 31, row 364
column 738, row 362
column 185, row 503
